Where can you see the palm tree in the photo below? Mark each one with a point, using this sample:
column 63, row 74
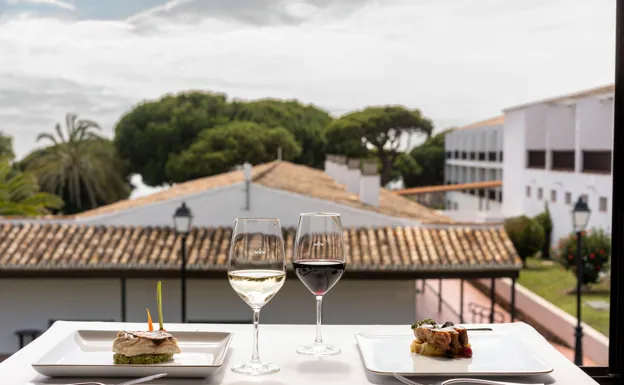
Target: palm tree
column 80, row 165
column 20, row 195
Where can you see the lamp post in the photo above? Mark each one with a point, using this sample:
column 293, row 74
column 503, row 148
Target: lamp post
column 580, row 217
column 182, row 220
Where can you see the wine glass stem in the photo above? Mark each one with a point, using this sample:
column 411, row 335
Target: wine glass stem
column 319, row 316
column 255, row 356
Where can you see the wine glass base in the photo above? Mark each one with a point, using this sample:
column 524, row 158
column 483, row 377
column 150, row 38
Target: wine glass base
column 319, row 350
column 255, row 368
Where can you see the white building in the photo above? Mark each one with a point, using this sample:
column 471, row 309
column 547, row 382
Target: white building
column 475, row 154
column 553, row 151
column 103, row 265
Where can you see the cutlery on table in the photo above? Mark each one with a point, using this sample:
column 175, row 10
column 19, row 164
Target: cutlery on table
column 131, row 382
column 457, row 381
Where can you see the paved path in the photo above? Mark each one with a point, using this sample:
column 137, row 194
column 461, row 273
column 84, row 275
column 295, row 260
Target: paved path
column 427, row 307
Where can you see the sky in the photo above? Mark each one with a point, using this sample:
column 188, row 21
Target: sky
column 458, row 61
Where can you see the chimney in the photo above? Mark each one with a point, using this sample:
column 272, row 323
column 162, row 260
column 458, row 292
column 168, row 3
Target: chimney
column 353, row 176
column 370, row 183
column 329, row 166
column 340, row 165
column 247, row 175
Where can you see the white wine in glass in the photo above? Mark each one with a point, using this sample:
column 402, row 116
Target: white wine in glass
column 257, row 271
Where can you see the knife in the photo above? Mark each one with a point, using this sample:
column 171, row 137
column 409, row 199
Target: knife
column 143, row 379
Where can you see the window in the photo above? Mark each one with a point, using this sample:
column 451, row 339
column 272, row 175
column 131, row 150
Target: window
column 492, row 195
column 500, row 156
column 492, row 156
column 553, row 196
column 528, row 191
column 540, row 193
column 456, row 155
column 473, row 155
column 481, row 156
column 464, row 155
column 455, row 205
column 602, row 204
column 597, row 162
column 563, row 160
column 568, row 198
column 448, row 155
column 536, row 159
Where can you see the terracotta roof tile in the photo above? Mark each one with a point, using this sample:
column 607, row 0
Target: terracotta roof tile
column 60, row 247
column 495, row 121
column 290, row 177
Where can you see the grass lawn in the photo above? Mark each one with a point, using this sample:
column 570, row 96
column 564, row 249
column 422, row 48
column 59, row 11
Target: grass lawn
column 552, row 282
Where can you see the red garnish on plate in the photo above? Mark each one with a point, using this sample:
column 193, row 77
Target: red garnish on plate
column 466, row 352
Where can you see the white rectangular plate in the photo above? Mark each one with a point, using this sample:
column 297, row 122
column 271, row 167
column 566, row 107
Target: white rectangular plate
column 494, row 354
column 88, row 353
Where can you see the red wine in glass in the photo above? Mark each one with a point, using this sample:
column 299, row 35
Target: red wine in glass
column 319, row 275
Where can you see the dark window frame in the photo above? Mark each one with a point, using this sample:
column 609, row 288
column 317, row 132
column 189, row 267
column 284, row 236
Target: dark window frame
column 568, row 198
column 553, row 196
column 600, row 163
column 615, row 371
column 562, row 160
column 536, row 159
column 528, row 191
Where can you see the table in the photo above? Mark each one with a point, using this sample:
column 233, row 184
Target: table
column 278, row 344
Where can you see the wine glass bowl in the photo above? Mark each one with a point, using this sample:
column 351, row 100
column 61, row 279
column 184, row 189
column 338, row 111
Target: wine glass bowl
column 319, row 262
column 256, row 271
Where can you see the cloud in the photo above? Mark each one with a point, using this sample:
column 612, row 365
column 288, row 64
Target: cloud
column 56, row 3
column 266, row 12
column 457, row 61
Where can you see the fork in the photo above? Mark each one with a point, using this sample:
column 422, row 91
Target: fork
column 131, row 382
column 457, row 381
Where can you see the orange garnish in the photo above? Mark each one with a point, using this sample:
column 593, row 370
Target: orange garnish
column 150, row 325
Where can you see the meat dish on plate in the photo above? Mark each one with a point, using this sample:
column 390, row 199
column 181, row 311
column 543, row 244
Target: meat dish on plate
column 447, row 340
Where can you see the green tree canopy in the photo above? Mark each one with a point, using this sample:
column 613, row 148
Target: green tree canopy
column 6, row 146
column 429, row 157
column 79, row 166
column 146, row 136
column 20, row 195
column 305, row 122
column 152, row 134
column 218, row 149
column 379, row 128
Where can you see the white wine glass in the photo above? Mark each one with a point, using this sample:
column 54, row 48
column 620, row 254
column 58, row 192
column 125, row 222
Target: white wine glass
column 256, row 271
column 319, row 261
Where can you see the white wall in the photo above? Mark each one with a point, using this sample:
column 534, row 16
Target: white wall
column 467, row 202
column 220, row 207
column 560, row 127
column 596, row 124
column 32, row 302
column 594, row 185
column 514, row 162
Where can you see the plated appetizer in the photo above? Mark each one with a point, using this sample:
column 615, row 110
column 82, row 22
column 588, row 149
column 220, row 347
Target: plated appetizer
column 146, row 347
column 435, row 340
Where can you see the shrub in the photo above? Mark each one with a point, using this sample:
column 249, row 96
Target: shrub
column 545, row 221
column 526, row 234
column 595, row 251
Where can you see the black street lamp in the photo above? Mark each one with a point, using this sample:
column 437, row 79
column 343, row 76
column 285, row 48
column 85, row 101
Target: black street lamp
column 182, row 220
column 580, row 217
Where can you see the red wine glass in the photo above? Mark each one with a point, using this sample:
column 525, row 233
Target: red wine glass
column 319, row 262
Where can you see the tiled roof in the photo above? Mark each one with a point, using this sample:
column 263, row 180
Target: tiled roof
column 597, row 91
column 49, row 248
column 290, row 177
column 449, row 187
column 498, row 120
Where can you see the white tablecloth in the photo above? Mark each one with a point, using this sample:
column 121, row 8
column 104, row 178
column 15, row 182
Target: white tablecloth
column 277, row 345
